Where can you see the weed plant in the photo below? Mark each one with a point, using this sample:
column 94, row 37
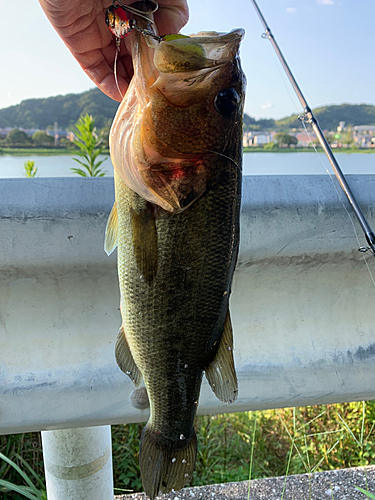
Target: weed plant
column 22, row 467
column 30, row 170
column 90, row 147
column 232, row 447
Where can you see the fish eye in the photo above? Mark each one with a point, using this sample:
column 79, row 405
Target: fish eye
column 226, row 101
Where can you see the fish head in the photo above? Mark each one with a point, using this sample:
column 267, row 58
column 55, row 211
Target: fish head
column 180, row 122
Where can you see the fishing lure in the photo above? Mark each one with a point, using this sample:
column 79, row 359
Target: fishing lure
column 121, row 24
column 118, row 21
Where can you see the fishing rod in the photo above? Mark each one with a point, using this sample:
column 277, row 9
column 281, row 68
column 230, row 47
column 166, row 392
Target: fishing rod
column 310, row 118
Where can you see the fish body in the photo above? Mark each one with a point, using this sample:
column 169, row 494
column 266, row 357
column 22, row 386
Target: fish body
column 176, row 145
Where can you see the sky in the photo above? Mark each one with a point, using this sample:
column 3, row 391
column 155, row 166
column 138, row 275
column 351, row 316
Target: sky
column 328, row 44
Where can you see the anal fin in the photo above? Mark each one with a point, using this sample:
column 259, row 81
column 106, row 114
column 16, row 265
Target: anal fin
column 145, row 241
column 125, row 359
column 221, row 374
column 110, row 241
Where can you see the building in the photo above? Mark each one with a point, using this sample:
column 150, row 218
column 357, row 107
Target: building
column 4, row 132
column 58, row 134
column 256, row 138
column 304, row 139
column 364, row 129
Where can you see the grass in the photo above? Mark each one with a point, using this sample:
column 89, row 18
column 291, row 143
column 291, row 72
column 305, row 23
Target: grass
column 28, row 490
column 239, row 446
column 367, row 493
column 21, row 467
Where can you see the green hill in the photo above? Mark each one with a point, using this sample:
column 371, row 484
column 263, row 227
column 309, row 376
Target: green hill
column 63, row 109
column 66, row 109
column 330, row 116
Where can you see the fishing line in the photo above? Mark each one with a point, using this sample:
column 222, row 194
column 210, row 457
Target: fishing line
column 287, row 87
column 115, row 67
column 338, row 193
column 309, row 117
column 339, row 196
column 221, row 154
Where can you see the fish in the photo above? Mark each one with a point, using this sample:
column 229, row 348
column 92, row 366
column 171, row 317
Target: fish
column 176, row 147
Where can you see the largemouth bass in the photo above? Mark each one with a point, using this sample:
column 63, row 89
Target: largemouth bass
column 176, row 146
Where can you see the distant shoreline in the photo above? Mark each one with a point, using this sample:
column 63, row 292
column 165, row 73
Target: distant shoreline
column 70, row 152
column 307, row 150
column 41, row 151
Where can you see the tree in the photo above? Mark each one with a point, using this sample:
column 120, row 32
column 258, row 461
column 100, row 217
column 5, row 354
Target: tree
column 270, row 146
column 66, row 143
column 347, row 136
column 40, row 138
column 30, row 168
column 247, row 120
column 285, row 139
column 17, row 136
column 89, row 148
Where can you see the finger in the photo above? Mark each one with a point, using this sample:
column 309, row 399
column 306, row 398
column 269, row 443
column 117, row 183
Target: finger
column 85, row 37
column 171, row 16
column 97, row 68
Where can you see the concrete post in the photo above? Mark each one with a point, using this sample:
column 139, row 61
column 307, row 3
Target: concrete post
column 78, row 463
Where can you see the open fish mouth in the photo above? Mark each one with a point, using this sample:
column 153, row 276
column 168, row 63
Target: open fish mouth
column 198, row 51
column 148, row 147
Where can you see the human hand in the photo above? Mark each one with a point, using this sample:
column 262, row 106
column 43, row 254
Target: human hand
column 82, row 27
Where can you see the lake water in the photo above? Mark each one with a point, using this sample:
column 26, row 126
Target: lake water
column 254, row 164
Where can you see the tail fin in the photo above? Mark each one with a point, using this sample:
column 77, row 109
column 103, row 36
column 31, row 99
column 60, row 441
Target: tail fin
column 165, row 465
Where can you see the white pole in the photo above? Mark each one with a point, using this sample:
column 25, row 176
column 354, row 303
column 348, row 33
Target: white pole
column 78, row 463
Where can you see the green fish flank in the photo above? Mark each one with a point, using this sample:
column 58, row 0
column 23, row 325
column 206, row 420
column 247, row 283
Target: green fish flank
column 177, row 149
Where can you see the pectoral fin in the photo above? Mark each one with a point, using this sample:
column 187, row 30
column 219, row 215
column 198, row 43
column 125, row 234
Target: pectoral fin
column 221, row 373
column 110, row 242
column 145, row 241
column 125, row 359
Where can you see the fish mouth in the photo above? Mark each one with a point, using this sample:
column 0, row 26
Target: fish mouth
column 179, row 70
column 198, row 51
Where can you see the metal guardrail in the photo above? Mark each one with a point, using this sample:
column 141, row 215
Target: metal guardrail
column 302, row 305
column 302, row 309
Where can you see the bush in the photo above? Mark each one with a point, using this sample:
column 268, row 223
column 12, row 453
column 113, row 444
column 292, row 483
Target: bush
column 270, row 146
column 16, row 136
column 41, row 138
